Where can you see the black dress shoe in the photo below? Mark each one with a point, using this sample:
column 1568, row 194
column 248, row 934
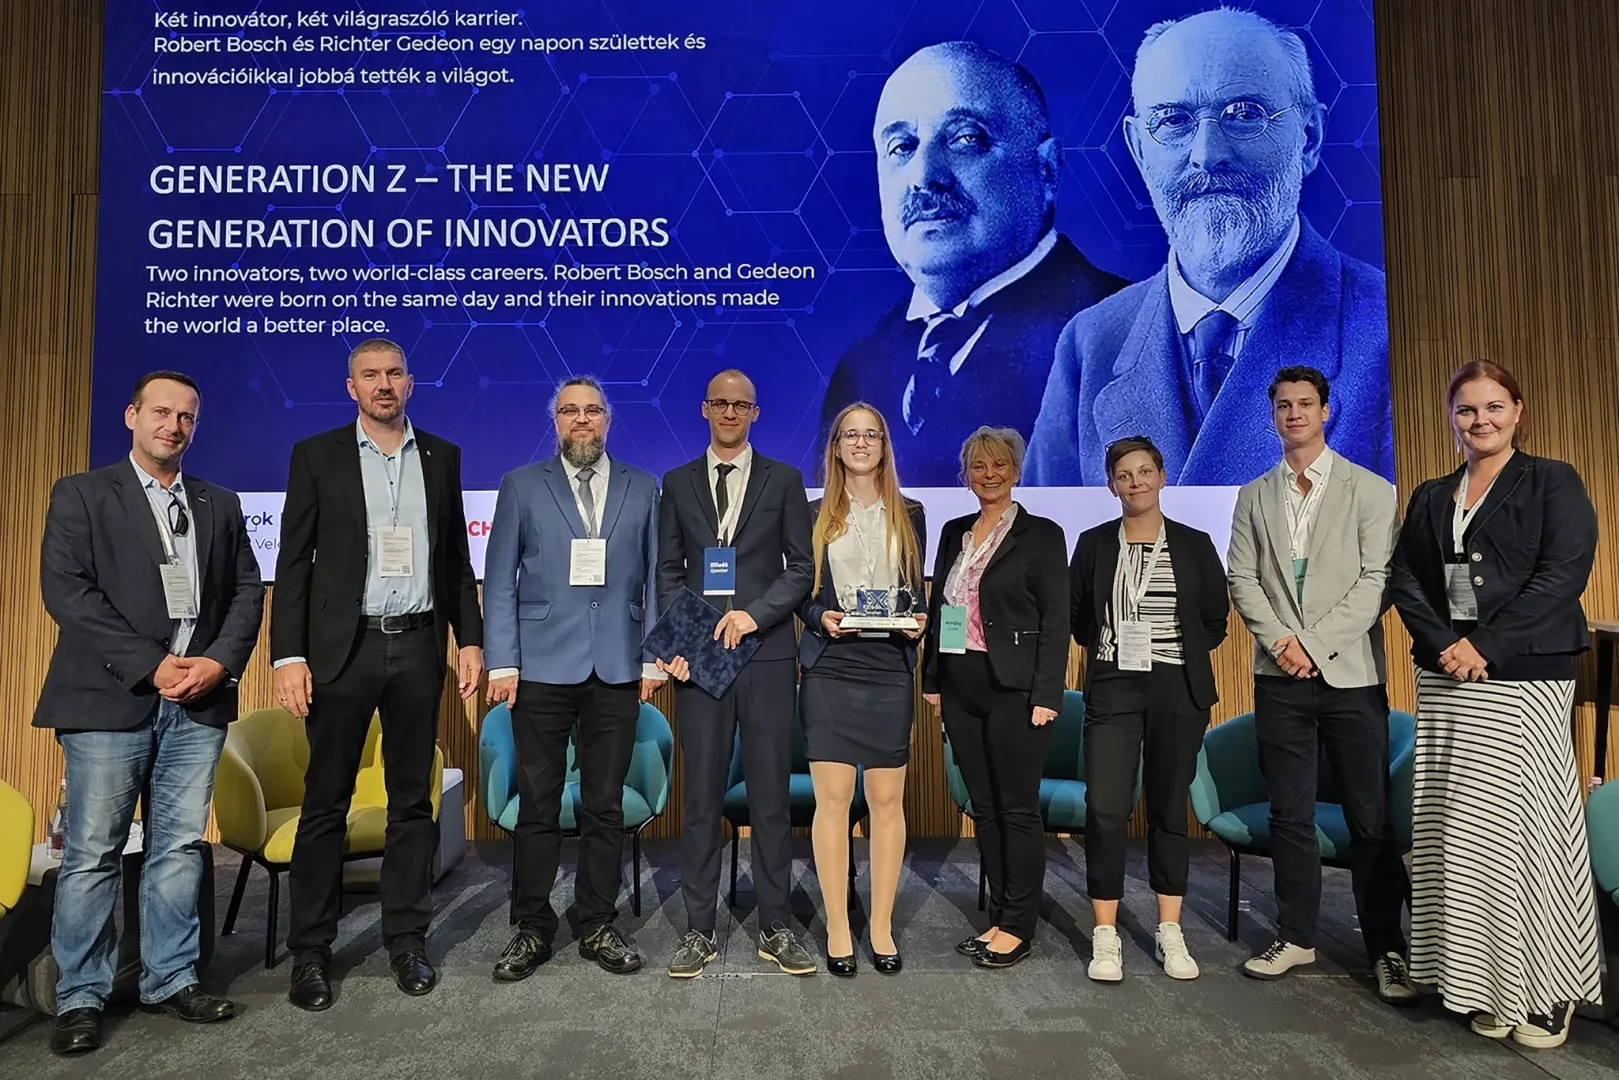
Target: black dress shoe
column 613, row 950
column 524, row 954
column 77, row 1031
column 842, row 966
column 989, row 958
column 413, row 973
column 311, row 991
column 972, row 946
column 194, row 1006
column 887, row 963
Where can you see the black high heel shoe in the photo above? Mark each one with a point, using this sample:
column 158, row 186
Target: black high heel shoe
column 843, row 966
column 887, row 963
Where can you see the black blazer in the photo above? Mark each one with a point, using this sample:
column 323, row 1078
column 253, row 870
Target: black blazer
column 99, row 576
column 774, row 568
column 1201, row 600
column 1529, row 550
column 1023, row 602
column 319, row 596
column 813, row 641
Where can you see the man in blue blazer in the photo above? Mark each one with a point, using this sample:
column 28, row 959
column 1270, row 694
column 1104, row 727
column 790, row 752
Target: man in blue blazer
column 568, row 596
column 1227, row 127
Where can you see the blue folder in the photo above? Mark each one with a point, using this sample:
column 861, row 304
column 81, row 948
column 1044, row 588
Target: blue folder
column 686, row 629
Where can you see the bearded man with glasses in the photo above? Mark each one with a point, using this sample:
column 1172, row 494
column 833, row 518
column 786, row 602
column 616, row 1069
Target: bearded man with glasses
column 1226, row 127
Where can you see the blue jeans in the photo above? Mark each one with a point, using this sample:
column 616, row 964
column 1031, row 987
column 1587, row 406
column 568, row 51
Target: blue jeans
column 105, row 774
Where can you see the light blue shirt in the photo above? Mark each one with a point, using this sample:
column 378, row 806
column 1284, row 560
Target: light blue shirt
column 183, row 548
column 395, row 495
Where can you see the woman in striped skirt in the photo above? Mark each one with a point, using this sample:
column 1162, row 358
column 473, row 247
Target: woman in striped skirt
column 1487, row 577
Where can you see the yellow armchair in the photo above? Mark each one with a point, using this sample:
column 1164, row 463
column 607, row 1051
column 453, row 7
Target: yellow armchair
column 16, row 845
column 259, row 793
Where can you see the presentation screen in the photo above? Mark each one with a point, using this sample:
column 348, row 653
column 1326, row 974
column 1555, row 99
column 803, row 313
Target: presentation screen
column 1079, row 219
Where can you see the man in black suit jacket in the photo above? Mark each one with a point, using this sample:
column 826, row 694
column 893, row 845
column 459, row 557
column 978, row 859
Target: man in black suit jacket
column 967, row 172
column 735, row 497
column 372, row 574
column 152, row 582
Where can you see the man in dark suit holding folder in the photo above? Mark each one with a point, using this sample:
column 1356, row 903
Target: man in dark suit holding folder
column 734, row 526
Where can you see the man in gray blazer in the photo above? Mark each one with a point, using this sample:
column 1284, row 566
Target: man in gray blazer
column 568, row 596
column 152, row 582
column 1310, row 546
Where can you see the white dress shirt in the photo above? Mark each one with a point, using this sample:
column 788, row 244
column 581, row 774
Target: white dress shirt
column 1245, row 300
column 862, row 557
column 598, row 490
column 1302, row 507
column 183, row 548
column 736, row 486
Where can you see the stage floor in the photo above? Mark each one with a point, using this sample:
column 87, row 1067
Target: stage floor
column 940, row 1018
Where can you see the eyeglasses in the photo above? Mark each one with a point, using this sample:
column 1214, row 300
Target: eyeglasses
column 1243, row 121
column 852, row 438
column 571, row 412
column 720, row 405
column 179, row 523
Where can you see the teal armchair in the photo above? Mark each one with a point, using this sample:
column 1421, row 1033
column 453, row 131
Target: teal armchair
column 646, row 787
column 1229, row 797
column 1602, row 828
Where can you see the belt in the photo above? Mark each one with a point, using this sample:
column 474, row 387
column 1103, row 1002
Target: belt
column 398, row 624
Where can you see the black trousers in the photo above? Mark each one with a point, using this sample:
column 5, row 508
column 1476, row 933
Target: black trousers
column 400, row 676
column 761, row 702
column 1145, row 719
column 544, row 717
column 1001, row 755
column 1293, row 720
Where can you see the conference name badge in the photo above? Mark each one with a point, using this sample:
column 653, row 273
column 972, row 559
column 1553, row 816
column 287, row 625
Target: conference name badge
column 1459, row 590
column 396, row 555
column 587, row 562
column 719, row 571
column 177, row 591
column 1135, row 646
column 953, row 628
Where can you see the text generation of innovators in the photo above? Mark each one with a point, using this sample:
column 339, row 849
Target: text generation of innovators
column 482, row 232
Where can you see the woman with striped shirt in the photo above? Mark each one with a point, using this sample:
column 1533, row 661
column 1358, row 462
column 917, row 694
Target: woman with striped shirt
column 1149, row 604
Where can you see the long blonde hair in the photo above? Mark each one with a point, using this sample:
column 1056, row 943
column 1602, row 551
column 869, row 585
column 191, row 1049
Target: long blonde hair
column 833, row 519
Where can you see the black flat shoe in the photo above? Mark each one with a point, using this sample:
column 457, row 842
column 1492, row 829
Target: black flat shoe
column 414, row 975
column 842, row 966
column 989, row 958
column 194, row 1006
column 77, row 1031
column 887, row 963
column 972, row 946
column 311, row 991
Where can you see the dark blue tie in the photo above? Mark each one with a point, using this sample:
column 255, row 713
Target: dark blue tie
column 941, row 341
column 1211, row 356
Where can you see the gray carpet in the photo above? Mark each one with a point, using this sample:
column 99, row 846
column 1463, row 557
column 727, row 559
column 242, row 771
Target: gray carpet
column 940, row 1018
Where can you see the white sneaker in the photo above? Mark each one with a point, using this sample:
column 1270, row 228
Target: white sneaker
column 1277, row 960
column 1107, row 958
column 1394, row 983
column 1169, row 945
column 1487, row 1025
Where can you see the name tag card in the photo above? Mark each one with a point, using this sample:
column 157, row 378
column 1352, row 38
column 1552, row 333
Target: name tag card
column 1300, row 568
column 177, row 591
column 719, row 571
column 1459, row 589
column 1135, row 646
column 396, row 555
column 953, row 629
column 587, row 562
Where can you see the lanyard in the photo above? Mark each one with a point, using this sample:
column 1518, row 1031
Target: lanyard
column 1300, row 517
column 733, row 510
column 1460, row 516
column 1135, row 590
column 171, row 548
column 592, row 521
column 972, row 556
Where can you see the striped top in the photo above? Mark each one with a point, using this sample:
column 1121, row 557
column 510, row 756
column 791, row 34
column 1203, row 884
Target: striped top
column 1157, row 606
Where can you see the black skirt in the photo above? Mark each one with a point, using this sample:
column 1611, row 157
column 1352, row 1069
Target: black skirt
column 857, row 704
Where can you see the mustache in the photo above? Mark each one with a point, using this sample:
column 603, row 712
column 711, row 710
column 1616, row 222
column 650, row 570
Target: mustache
column 933, row 204
column 1234, row 182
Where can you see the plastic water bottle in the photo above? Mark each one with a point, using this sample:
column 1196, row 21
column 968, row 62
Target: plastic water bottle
column 58, row 836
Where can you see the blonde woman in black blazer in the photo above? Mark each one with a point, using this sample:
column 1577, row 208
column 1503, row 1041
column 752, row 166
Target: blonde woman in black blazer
column 1006, row 567
column 1487, row 576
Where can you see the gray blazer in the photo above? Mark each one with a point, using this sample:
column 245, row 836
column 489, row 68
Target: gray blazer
column 1345, row 589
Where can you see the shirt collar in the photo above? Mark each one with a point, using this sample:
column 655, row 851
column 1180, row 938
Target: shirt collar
column 1190, row 305
column 572, row 470
column 1318, row 470
column 150, row 482
column 742, row 461
column 923, row 307
column 365, row 440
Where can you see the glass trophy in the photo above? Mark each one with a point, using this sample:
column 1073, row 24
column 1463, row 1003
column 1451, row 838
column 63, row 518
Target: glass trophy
column 879, row 610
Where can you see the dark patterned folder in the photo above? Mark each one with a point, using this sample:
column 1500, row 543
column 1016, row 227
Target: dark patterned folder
column 687, row 629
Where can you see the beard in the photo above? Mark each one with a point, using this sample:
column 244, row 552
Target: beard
column 1229, row 220
column 582, row 455
column 382, row 410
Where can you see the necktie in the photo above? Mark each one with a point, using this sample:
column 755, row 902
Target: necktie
column 942, row 339
column 722, row 494
column 587, row 500
column 1211, row 357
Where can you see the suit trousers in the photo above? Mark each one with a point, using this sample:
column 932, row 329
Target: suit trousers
column 401, row 677
column 546, row 714
column 761, row 703
column 1001, row 755
column 1294, row 719
column 1145, row 720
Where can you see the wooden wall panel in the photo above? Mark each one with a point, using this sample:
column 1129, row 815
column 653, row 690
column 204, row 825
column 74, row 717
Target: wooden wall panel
column 1501, row 186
